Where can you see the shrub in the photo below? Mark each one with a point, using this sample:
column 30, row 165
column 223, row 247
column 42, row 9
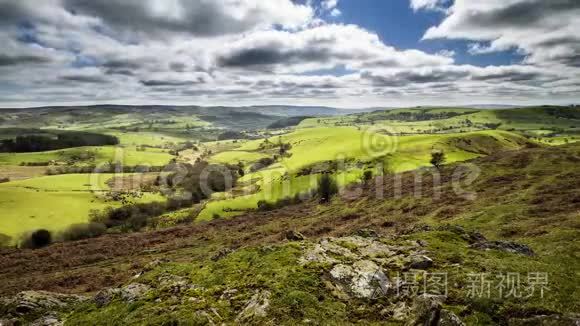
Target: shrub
column 83, row 231
column 5, row 240
column 367, row 176
column 4, row 180
column 37, row 239
column 327, row 188
column 437, row 159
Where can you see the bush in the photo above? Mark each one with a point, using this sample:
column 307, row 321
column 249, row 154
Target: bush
column 5, row 240
column 367, row 176
column 4, row 180
column 83, row 231
column 327, row 188
column 37, row 239
column 437, row 159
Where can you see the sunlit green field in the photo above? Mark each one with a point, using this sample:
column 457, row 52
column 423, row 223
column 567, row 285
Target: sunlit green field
column 127, row 155
column 315, row 145
column 53, row 202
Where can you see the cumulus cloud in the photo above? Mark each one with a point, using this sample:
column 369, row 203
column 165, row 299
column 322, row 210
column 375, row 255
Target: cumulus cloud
column 254, row 51
column 545, row 31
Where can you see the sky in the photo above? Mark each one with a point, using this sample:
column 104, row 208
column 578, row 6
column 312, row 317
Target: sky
column 341, row 53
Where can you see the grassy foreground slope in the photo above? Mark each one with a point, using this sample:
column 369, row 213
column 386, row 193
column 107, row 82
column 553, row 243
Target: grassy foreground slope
column 528, row 196
column 359, row 150
column 53, row 202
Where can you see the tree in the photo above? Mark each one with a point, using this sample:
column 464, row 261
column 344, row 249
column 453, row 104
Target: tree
column 327, row 188
column 37, row 239
column 438, row 159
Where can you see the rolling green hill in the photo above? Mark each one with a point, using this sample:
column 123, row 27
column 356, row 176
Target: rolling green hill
column 358, row 150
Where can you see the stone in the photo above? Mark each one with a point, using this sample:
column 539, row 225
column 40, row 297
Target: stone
column 105, row 297
column 367, row 233
column 317, row 254
column 39, row 302
column 426, row 309
column 221, row 254
column 401, row 312
column 256, row 307
column 448, row 318
column 294, row 236
column 364, row 279
column 507, row 246
column 419, row 262
column 49, row 320
column 134, row 292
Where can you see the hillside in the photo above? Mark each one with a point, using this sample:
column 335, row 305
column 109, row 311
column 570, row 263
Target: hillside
column 340, row 262
column 535, row 120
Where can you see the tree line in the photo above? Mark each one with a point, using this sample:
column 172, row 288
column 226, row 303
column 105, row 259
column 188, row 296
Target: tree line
column 39, row 143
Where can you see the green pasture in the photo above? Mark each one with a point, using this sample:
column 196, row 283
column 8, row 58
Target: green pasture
column 53, row 202
column 128, row 155
column 346, row 144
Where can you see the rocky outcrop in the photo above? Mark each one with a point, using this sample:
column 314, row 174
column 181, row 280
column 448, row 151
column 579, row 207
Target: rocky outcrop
column 362, row 279
column 42, row 305
column 256, row 307
column 294, row 236
column 507, row 246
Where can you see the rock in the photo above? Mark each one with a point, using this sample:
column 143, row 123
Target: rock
column 39, row 302
column 419, row 262
column 401, row 312
column 294, row 236
column 256, row 307
column 364, row 279
column 316, row 254
column 448, row 318
column 134, row 292
column 548, row 320
column 367, row 233
column 426, row 309
column 49, row 320
column 221, row 254
column 174, row 284
column 105, row 297
column 507, row 246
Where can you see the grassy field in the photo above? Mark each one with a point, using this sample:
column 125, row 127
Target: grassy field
column 53, row 202
column 129, row 156
column 449, row 120
column 360, row 150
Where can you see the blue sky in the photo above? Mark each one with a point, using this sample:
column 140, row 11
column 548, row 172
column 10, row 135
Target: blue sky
column 346, row 53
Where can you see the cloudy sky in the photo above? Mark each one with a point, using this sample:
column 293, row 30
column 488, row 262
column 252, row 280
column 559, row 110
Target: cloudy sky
column 347, row 53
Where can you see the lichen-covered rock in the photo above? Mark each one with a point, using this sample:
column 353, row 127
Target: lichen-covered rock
column 507, row 246
column 447, row 318
column 362, row 279
column 49, row 320
column 134, row 292
column 39, row 302
column 419, row 262
column 256, row 307
column 367, row 233
column 426, row 309
column 294, row 236
column 105, row 297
